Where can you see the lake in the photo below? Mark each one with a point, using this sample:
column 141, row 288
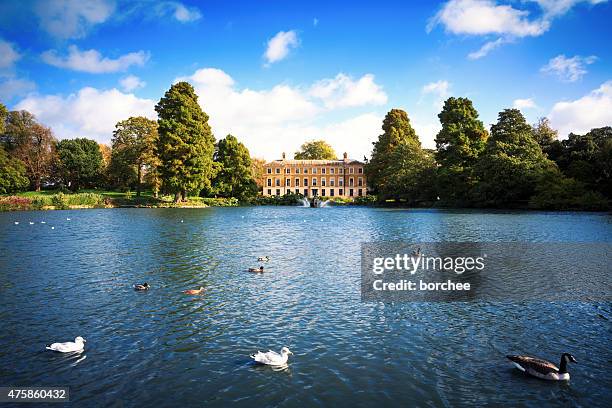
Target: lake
column 164, row 348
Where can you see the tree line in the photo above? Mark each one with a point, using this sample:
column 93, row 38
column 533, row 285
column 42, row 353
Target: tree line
column 515, row 164
column 176, row 155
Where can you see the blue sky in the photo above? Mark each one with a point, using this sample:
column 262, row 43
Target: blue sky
column 276, row 74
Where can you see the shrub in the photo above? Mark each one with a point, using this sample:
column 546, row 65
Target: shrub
column 60, row 201
column 365, row 200
column 12, row 203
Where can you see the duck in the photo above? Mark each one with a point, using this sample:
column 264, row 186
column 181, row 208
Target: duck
column 272, row 358
column 417, row 253
column 69, row 346
column 545, row 370
column 194, row 291
column 263, row 259
column 258, row 270
column 144, row 286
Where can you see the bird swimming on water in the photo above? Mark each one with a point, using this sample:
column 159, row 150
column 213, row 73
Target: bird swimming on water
column 543, row 369
column 69, row 346
column 272, row 358
column 263, row 258
column 194, row 291
column 144, row 286
column 258, row 270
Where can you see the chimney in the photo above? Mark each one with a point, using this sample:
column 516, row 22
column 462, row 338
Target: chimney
column 345, row 156
column 283, row 155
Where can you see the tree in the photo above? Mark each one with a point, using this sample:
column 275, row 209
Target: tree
column 316, row 150
column 12, row 174
column 545, row 135
column 134, row 150
column 32, row 143
column 234, row 178
column 258, row 171
column 512, row 163
column 396, row 130
column 3, row 115
column 80, row 162
column 185, row 144
column 410, row 175
column 459, row 144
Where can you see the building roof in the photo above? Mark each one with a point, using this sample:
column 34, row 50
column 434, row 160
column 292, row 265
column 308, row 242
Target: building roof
column 314, row 162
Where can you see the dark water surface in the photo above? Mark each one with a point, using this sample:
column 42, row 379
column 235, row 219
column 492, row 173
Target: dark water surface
column 164, row 348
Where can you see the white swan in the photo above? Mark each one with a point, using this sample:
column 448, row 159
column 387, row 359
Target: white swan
column 263, row 258
column 272, row 358
column 69, row 346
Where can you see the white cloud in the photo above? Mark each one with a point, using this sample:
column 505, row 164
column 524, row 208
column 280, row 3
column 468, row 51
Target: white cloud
column 342, row 91
column 583, row 114
column 90, row 112
column 178, row 10
column 72, row 18
column 527, row 103
column 283, row 117
column 568, row 69
column 279, row 46
column 486, row 48
column 10, row 87
column 481, row 17
column 131, row 82
column 92, row 61
column 487, row 18
column 439, row 89
column 8, row 54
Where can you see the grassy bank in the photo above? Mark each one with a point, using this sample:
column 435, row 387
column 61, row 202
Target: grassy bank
column 53, row 200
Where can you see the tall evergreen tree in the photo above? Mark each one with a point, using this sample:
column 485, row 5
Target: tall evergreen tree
column 459, row 143
column 545, row 135
column 234, row 177
column 186, row 143
column 396, row 130
column 512, row 163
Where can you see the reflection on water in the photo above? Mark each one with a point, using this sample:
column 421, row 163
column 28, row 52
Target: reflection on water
column 164, row 348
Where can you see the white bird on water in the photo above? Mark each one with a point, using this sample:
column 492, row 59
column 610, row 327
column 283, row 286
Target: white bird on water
column 16, row 222
column 31, row 223
column 69, row 346
column 67, row 219
column 43, row 222
column 272, row 358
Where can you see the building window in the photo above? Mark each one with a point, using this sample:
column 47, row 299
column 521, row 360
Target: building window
column 297, row 191
column 360, row 182
column 331, row 171
column 351, row 170
column 288, row 182
column 360, row 170
column 314, row 170
column 323, row 171
column 331, row 182
column 278, row 170
column 340, row 170
column 278, row 191
column 269, row 191
column 305, row 182
column 288, row 171
column 350, row 192
column 277, row 182
column 305, row 192
column 360, row 192
column 269, row 182
column 340, row 192
column 340, row 182
column 297, row 182
column 351, row 182
column 323, row 192
column 269, row 170
column 331, row 192
column 315, row 192
column 323, row 182
column 297, row 171
column 305, row 171
column 314, row 181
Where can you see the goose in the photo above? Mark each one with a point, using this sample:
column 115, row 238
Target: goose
column 69, row 346
column 543, row 369
column 263, row 259
column 194, row 291
column 259, row 270
column 144, row 286
column 272, row 358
